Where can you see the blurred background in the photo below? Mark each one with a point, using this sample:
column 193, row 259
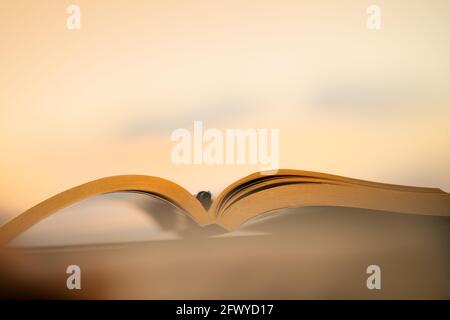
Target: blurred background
column 76, row 105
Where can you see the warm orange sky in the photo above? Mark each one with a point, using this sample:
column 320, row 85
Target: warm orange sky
column 103, row 100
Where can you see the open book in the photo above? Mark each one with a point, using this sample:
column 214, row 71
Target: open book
column 250, row 197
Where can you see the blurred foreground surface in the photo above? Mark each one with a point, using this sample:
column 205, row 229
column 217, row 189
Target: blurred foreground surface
column 308, row 253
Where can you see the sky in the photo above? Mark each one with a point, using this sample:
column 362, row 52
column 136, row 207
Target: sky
column 76, row 105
